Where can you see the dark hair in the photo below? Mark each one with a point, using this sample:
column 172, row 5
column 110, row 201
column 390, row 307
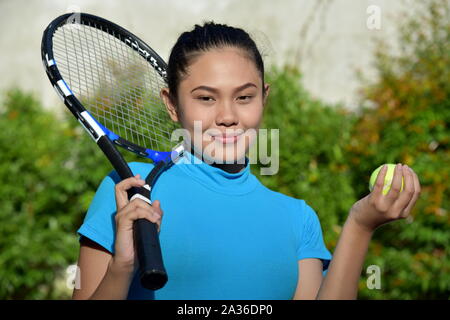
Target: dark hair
column 201, row 39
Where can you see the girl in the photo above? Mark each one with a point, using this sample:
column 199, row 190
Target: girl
column 226, row 236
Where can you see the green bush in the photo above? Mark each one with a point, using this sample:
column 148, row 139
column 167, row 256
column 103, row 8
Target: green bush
column 406, row 120
column 327, row 155
column 49, row 172
column 50, row 169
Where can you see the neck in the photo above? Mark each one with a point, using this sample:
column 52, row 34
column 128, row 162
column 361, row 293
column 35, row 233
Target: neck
column 227, row 167
column 230, row 168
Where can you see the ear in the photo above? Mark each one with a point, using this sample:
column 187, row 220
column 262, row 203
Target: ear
column 266, row 93
column 170, row 106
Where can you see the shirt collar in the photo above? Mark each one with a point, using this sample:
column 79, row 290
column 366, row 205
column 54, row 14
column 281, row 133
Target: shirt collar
column 217, row 179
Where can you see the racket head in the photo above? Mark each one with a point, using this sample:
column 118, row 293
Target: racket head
column 110, row 80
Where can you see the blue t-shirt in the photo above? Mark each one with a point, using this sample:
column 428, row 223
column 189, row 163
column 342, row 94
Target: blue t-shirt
column 223, row 235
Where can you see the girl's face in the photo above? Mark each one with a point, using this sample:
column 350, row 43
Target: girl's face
column 220, row 99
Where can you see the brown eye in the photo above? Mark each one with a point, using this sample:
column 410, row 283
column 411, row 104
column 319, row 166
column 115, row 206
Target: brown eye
column 205, row 98
column 245, row 98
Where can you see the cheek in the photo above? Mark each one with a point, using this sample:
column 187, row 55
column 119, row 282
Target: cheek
column 196, row 122
column 251, row 117
column 193, row 118
column 190, row 113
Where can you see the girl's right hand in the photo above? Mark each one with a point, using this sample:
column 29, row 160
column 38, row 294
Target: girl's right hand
column 127, row 213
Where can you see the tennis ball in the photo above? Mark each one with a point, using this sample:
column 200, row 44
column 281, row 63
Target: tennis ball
column 387, row 179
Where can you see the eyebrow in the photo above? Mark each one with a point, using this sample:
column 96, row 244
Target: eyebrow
column 244, row 86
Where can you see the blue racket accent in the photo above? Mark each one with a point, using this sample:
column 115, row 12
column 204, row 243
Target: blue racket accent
column 111, row 135
column 158, row 156
column 155, row 156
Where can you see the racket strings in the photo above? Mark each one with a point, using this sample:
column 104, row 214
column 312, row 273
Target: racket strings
column 114, row 83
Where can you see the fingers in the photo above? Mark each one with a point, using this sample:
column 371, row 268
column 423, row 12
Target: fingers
column 396, row 184
column 403, row 193
column 158, row 213
column 379, row 183
column 404, row 197
column 157, row 206
column 138, row 209
column 415, row 196
column 397, row 181
column 404, row 200
column 122, row 187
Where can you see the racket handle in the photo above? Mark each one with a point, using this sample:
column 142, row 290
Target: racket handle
column 152, row 273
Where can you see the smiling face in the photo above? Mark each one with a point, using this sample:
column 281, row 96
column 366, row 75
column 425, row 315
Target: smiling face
column 219, row 100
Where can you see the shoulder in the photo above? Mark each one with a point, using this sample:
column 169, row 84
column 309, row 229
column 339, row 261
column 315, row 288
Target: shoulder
column 290, row 203
column 99, row 224
column 104, row 197
column 142, row 168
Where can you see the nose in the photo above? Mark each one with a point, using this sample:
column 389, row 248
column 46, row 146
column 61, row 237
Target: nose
column 226, row 115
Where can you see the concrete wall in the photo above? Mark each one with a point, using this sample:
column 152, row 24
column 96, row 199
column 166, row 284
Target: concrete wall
column 329, row 39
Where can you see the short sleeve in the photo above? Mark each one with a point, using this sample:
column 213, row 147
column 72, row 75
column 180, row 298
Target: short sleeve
column 311, row 244
column 99, row 224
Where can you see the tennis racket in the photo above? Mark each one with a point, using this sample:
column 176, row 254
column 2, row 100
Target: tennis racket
column 110, row 80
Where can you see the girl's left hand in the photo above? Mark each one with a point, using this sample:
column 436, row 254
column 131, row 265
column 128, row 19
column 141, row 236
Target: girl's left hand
column 377, row 209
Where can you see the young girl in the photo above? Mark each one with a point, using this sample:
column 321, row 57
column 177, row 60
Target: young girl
column 226, row 236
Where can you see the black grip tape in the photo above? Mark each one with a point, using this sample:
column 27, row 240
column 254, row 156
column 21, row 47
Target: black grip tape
column 152, row 273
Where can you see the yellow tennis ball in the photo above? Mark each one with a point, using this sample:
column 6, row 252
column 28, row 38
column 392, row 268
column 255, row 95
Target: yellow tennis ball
column 387, row 180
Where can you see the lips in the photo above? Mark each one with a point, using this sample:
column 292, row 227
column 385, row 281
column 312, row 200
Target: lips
column 227, row 138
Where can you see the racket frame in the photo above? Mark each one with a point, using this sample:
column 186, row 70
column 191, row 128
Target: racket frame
column 152, row 271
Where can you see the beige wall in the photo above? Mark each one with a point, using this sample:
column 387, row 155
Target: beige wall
column 328, row 38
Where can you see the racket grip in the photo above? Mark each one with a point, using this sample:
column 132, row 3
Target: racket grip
column 152, row 273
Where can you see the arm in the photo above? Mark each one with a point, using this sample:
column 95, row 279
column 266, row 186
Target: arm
column 365, row 216
column 345, row 268
column 344, row 271
column 309, row 279
column 106, row 276
column 99, row 277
